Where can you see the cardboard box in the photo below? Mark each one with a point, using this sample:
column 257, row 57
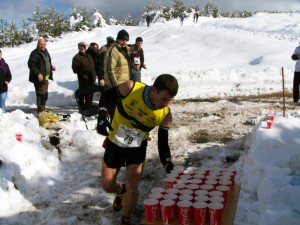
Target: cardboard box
column 228, row 212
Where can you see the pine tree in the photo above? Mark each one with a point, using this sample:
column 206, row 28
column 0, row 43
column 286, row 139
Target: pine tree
column 178, row 8
column 80, row 20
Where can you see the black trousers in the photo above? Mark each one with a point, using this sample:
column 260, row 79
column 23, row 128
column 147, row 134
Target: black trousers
column 296, row 84
column 41, row 90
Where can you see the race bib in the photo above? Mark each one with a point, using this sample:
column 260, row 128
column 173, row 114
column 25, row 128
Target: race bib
column 128, row 138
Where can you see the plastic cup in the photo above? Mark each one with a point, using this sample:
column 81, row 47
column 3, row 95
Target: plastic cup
column 225, row 183
column 215, row 193
column 170, row 197
column 172, row 191
column 196, row 181
column 269, row 124
column 200, row 212
column 207, row 187
column 215, row 213
column 201, row 198
column 179, row 186
column 186, row 192
column 182, row 181
column 167, row 209
column 214, row 183
column 201, row 192
column 271, row 117
column 179, row 169
column 156, row 195
column 169, row 182
column 198, row 176
column 158, row 189
column 185, row 197
column 184, row 212
column 217, row 199
column 225, row 190
column 19, row 137
column 185, row 176
column 151, row 210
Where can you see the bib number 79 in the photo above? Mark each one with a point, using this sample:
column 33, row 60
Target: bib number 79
column 128, row 138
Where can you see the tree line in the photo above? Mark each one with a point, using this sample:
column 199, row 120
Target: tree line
column 50, row 23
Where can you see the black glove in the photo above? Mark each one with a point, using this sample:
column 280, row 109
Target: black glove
column 169, row 167
column 103, row 122
column 294, row 57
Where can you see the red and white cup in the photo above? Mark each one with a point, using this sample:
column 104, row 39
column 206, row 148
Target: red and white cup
column 201, row 193
column 200, row 212
column 19, row 137
column 172, row 191
column 185, row 176
column 215, row 193
column 212, row 182
column 182, row 181
column 196, row 181
column 269, row 124
column 185, row 197
column 172, row 197
column 193, row 187
column 158, row 189
column 151, row 210
column 215, row 213
column 271, row 117
column 225, row 183
column 202, row 198
column 169, row 182
column 179, row 186
column 207, row 187
column 156, row 195
column 167, row 209
column 186, row 192
column 225, row 190
column 198, row 176
column 178, row 169
column 184, row 212
column 217, row 199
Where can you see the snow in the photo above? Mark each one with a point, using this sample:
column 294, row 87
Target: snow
column 215, row 58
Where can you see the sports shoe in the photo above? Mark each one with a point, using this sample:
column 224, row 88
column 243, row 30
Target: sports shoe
column 125, row 221
column 119, row 199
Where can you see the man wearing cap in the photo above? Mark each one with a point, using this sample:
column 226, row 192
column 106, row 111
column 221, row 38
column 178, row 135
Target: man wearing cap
column 41, row 70
column 117, row 62
column 83, row 66
column 103, row 50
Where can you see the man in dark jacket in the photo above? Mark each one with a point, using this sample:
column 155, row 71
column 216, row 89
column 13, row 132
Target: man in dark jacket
column 83, row 66
column 41, row 68
column 138, row 52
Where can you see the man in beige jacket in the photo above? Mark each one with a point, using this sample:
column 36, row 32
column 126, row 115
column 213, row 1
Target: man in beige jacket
column 117, row 61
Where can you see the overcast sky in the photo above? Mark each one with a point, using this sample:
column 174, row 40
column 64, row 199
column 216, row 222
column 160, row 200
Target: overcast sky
column 16, row 9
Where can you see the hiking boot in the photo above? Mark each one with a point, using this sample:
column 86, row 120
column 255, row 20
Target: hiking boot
column 125, row 221
column 119, row 199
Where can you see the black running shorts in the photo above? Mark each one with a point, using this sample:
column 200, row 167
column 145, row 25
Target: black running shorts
column 116, row 157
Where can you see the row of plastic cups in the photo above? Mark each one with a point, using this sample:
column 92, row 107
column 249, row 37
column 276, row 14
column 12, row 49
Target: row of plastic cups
column 217, row 176
column 166, row 210
column 195, row 184
column 180, row 170
column 186, row 194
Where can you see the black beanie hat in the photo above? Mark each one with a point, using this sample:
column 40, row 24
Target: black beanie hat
column 123, row 35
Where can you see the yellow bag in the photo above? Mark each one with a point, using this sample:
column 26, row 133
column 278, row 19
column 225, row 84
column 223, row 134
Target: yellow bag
column 47, row 118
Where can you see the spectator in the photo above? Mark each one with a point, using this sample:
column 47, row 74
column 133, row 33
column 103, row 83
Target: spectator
column 148, row 20
column 5, row 78
column 129, row 133
column 83, row 66
column 135, row 70
column 138, row 52
column 118, row 61
column 94, row 51
column 103, row 51
column 181, row 18
column 41, row 71
column 296, row 82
